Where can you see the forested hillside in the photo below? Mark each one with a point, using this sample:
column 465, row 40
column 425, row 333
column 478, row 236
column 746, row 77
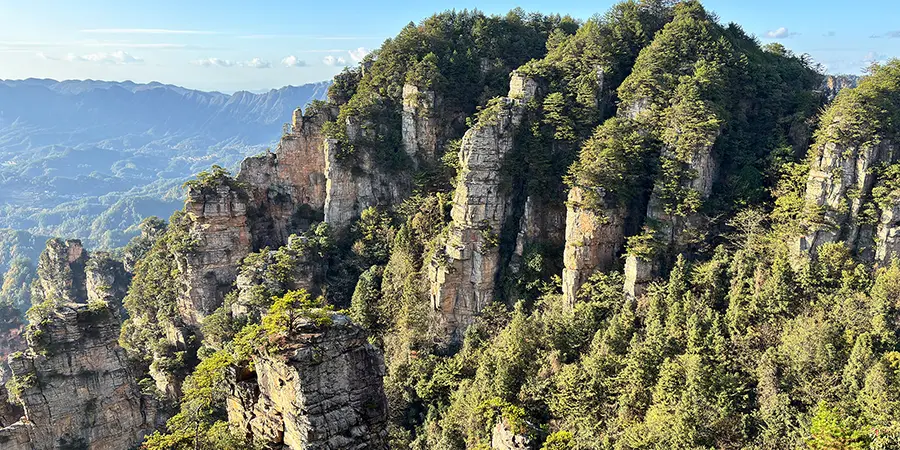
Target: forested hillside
column 640, row 231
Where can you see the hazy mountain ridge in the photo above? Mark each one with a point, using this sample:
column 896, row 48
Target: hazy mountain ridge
column 77, row 155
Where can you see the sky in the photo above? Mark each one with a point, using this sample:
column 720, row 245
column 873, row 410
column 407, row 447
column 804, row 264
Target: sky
column 230, row 45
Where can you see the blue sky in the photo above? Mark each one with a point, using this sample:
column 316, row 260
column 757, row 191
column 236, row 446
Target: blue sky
column 229, row 45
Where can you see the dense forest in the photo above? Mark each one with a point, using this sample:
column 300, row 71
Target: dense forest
column 745, row 304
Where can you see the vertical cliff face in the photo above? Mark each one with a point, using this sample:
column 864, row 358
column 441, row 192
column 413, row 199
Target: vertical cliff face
column 61, row 274
column 420, row 122
column 73, row 382
column 841, row 179
column 270, row 273
column 463, row 278
column 221, row 231
column 323, row 390
column 76, row 388
column 853, row 177
column 106, row 280
column 887, row 238
column 354, row 184
column 594, row 239
column 288, row 187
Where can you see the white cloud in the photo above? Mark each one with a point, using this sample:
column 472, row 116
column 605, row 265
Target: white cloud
column 332, row 60
column 358, row 54
column 874, row 57
column 46, row 57
column 258, row 63
column 293, row 61
column 210, row 62
column 144, row 31
column 889, row 35
column 255, row 63
column 117, row 57
column 780, row 33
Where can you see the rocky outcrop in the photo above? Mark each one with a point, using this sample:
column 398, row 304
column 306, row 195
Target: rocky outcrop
column 322, row 391
column 287, row 187
column 76, row 388
column 834, row 84
column 106, row 280
column 841, row 178
column 356, row 183
column 419, row 123
column 887, row 239
column 463, row 276
column 73, row 381
column 594, row 240
column 502, row 438
column 10, row 412
column 61, row 275
column 274, row 272
column 221, row 239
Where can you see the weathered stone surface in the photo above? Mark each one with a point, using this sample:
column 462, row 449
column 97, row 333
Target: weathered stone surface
column 60, row 269
column 840, row 181
column 463, row 277
column 106, row 280
column 593, row 242
column 222, row 234
column 502, row 438
column 639, row 272
column 305, row 272
column 887, row 241
column 287, row 187
column 324, row 391
column 355, row 184
column 542, row 221
column 78, row 391
column 17, row 436
column 10, row 413
column 419, row 123
column 832, row 85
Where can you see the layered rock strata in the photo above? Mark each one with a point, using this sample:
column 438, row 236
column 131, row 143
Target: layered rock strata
column 74, row 382
column 464, row 275
column 322, row 391
column 840, row 183
column 221, row 239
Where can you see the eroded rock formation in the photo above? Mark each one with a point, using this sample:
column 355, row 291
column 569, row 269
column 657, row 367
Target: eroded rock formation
column 74, row 382
column 323, row 390
column 840, row 183
column 594, row 240
column 463, row 277
column 221, row 235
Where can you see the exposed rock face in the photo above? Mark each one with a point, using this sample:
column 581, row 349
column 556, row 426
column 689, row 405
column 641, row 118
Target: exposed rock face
column 74, row 381
column 287, row 187
column 356, row 183
column 305, row 273
column 840, row 181
column 593, row 242
column 80, row 393
column 639, row 272
column 10, row 413
column 106, row 280
column 502, row 438
column 541, row 222
column 887, row 240
column 61, row 273
column 324, row 392
column 464, row 277
column 419, row 123
column 222, row 234
column 834, row 84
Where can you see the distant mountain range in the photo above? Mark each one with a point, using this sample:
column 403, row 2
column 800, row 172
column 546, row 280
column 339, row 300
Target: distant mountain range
column 89, row 158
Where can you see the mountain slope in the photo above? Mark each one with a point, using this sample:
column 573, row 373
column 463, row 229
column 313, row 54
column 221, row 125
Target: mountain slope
column 75, row 151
